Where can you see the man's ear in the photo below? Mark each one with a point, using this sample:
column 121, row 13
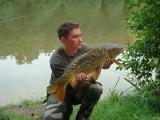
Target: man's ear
column 62, row 39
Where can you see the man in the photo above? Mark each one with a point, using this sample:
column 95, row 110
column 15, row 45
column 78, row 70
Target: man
column 90, row 91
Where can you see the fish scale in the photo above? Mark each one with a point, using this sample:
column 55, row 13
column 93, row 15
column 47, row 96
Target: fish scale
column 90, row 62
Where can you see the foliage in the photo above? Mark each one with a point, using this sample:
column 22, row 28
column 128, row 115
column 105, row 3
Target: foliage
column 151, row 94
column 119, row 107
column 143, row 57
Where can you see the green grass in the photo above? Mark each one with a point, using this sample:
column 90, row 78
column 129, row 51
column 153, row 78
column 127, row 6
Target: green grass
column 113, row 107
column 117, row 107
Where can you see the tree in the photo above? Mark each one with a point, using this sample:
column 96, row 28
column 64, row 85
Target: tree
column 143, row 57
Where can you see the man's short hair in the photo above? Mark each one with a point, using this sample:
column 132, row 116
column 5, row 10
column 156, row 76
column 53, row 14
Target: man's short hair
column 65, row 29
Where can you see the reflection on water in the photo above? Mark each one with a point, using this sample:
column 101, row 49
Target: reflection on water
column 35, row 31
column 29, row 81
column 23, row 81
column 28, row 36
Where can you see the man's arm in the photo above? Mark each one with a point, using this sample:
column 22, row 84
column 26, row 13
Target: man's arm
column 91, row 76
column 57, row 71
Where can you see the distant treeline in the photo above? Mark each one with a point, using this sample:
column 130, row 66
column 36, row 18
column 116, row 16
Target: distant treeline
column 28, row 27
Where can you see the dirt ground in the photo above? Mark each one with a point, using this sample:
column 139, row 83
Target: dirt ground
column 38, row 110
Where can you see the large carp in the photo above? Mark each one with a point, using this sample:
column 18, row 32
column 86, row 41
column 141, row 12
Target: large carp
column 90, row 62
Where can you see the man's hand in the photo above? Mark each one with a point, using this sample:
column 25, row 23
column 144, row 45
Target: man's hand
column 81, row 76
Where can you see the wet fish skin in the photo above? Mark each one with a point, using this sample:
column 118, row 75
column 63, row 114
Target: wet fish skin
column 91, row 61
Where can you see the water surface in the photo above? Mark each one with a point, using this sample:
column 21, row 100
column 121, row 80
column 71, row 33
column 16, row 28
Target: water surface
column 28, row 37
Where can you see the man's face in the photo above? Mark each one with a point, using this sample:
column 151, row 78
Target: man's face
column 74, row 39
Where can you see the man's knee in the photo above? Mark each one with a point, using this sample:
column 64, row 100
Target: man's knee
column 67, row 111
column 53, row 109
column 94, row 91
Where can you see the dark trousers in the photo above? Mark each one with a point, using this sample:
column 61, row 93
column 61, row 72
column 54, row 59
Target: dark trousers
column 87, row 96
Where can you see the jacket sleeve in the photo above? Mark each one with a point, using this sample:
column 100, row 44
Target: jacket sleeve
column 57, row 68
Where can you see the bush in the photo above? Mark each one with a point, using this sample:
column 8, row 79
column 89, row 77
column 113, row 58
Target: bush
column 143, row 57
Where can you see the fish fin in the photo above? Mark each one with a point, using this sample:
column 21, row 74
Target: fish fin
column 58, row 90
column 118, row 63
column 73, row 81
column 51, row 89
column 61, row 93
column 96, row 73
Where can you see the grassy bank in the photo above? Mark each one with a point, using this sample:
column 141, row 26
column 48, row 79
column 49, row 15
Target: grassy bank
column 113, row 107
column 26, row 110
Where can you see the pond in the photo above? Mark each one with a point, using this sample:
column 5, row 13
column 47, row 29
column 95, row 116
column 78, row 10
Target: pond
column 28, row 37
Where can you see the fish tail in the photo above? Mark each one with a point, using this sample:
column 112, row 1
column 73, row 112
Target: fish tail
column 60, row 93
column 51, row 89
column 58, row 89
column 73, row 81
